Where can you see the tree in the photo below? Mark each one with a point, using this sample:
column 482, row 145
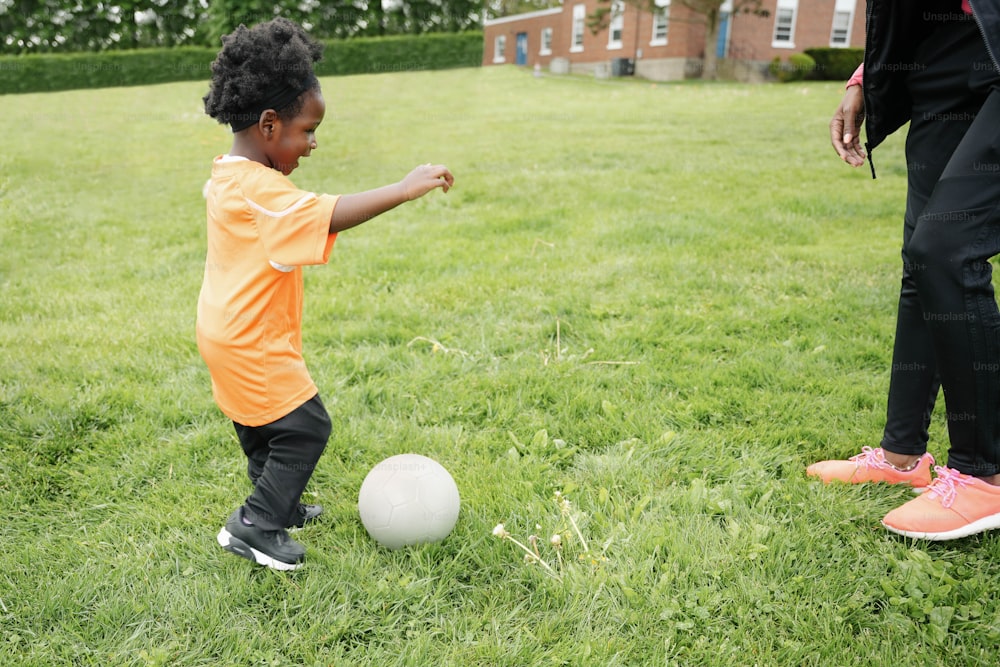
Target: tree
column 705, row 12
column 421, row 16
column 24, row 28
column 40, row 26
column 500, row 8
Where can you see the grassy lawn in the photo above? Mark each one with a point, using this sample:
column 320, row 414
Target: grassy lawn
column 663, row 301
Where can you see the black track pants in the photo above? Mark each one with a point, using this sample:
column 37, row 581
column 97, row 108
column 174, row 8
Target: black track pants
column 281, row 457
column 948, row 325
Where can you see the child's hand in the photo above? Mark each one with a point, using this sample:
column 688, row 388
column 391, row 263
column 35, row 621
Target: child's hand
column 425, row 178
column 352, row 210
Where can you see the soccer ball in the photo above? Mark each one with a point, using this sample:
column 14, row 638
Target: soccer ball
column 408, row 499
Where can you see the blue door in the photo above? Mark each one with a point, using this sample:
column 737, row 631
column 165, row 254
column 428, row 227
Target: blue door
column 722, row 45
column 522, row 48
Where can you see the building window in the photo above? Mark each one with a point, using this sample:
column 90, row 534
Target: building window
column 500, row 49
column 843, row 17
column 546, row 41
column 579, row 21
column 784, row 24
column 661, row 23
column 617, row 25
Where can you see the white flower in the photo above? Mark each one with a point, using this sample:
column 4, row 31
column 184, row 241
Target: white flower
column 500, row 531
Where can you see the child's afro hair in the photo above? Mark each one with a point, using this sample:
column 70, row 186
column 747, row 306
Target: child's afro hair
column 254, row 62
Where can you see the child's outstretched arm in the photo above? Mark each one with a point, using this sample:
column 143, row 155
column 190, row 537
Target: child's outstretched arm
column 352, row 210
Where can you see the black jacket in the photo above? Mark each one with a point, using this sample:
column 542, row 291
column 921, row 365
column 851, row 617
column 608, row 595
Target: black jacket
column 893, row 30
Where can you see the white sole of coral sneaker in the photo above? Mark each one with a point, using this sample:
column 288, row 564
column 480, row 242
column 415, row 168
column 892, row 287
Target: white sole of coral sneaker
column 991, row 522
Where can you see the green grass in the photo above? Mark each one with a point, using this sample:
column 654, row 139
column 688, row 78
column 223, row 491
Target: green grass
column 662, row 300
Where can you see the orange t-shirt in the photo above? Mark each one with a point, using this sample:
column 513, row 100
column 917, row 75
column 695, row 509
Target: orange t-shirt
column 261, row 231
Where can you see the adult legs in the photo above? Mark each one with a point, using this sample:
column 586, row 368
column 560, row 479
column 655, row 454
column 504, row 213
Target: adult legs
column 956, row 234
column 946, row 99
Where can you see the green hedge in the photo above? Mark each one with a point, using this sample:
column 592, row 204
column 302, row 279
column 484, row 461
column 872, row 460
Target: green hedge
column 835, row 64
column 363, row 55
column 800, row 66
column 370, row 55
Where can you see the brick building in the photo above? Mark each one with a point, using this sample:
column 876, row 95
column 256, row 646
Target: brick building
column 670, row 43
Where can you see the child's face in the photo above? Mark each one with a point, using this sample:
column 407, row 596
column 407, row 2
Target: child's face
column 296, row 138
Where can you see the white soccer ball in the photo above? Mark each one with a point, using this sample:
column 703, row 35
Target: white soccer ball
column 408, row 499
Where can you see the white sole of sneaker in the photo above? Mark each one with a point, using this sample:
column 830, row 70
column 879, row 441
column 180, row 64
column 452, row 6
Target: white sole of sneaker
column 240, row 548
column 991, row 522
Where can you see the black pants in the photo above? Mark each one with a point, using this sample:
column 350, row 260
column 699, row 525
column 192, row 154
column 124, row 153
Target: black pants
column 281, row 457
column 948, row 325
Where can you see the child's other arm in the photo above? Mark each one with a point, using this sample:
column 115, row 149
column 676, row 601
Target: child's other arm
column 352, row 210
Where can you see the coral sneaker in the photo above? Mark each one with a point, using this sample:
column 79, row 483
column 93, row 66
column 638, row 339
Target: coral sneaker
column 870, row 466
column 954, row 506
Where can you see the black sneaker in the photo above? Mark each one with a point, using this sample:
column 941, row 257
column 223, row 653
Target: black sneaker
column 305, row 514
column 273, row 548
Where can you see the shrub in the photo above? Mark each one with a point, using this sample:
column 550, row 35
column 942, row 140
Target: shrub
column 368, row 55
column 836, row 64
column 799, row 66
column 363, row 55
column 50, row 72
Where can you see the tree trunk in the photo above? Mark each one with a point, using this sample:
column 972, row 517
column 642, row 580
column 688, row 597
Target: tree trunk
column 710, row 68
column 378, row 16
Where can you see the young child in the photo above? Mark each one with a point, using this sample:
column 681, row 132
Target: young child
column 261, row 231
